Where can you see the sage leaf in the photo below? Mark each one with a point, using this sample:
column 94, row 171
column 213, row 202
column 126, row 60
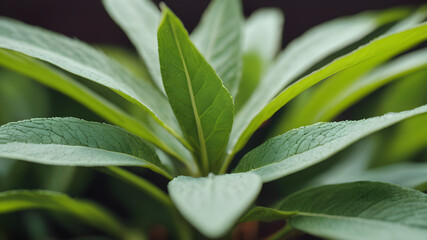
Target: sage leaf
column 262, row 39
column 213, row 204
column 202, row 105
column 410, row 175
column 348, row 86
column 361, row 210
column 306, row 146
column 262, row 33
column 248, row 121
column 87, row 212
column 219, row 38
column 75, row 142
column 139, row 19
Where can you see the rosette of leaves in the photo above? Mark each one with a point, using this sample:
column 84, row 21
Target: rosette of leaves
column 202, row 98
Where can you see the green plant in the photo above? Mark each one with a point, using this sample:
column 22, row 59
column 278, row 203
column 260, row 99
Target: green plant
column 202, row 102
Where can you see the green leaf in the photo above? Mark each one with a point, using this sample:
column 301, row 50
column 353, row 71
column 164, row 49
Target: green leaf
column 75, row 142
column 202, row 105
column 139, row 19
column 331, row 99
column 67, row 85
column 21, row 98
column 214, row 203
column 82, row 60
column 263, row 33
column 247, row 121
column 411, row 175
column 306, row 146
column 87, row 212
column 265, row 214
column 262, row 39
column 361, row 210
column 348, row 86
column 127, row 58
column 219, row 38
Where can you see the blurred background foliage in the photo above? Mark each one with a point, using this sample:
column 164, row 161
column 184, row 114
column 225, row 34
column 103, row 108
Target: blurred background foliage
column 21, row 98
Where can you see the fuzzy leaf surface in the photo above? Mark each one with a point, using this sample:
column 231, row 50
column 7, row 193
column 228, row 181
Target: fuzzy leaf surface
column 219, row 38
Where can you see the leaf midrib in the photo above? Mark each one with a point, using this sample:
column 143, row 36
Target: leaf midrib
column 355, row 218
column 202, row 143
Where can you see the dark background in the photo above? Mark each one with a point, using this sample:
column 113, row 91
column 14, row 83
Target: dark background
column 87, row 20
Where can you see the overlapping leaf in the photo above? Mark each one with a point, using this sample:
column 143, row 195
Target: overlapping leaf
column 75, row 142
column 306, row 146
column 202, row 105
column 219, row 39
column 80, row 59
column 84, row 211
column 346, row 87
column 248, row 121
column 262, row 39
column 332, row 99
column 361, row 210
column 67, row 85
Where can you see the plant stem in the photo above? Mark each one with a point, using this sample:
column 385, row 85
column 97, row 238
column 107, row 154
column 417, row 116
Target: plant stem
column 181, row 226
column 226, row 163
column 284, row 233
column 139, row 182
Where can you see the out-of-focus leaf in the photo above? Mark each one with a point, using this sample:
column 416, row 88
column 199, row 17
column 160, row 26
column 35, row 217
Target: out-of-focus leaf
column 262, row 39
column 87, row 212
column 331, row 100
column 57, row 80
column 75, row 142
column 202, row 105
column 361, row 210
column 306, row 146
column 408, row 92
column 139, row 19
column 128, row 59
column 348, row 86
column 219, row 38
